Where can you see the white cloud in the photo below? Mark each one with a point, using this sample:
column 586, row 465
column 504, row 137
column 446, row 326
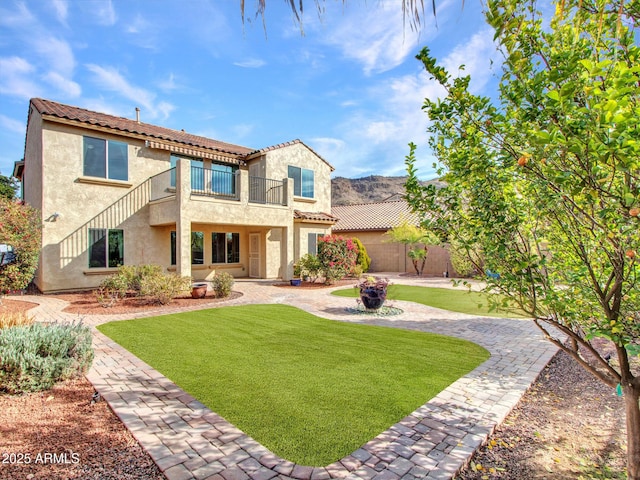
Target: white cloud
column 138, row 25
column 19, row 18
column 57, row 53
column 373, row 37
column 110, row 79
column 476, row 55
column 105, row 13
column 68, row 87
column 12, row 125
column 250, row 63
column 61, row 8
column 16, row 78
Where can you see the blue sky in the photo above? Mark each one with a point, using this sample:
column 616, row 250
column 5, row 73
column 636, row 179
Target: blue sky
column 350, row 87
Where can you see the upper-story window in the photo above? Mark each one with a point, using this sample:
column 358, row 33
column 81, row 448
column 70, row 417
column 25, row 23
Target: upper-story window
column 105, row 159
column 302, row 181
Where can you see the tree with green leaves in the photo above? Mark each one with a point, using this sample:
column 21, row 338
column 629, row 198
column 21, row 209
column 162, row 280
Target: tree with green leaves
column 417, row 239
column 20, row 231
column 8, row 187
column 545, row 181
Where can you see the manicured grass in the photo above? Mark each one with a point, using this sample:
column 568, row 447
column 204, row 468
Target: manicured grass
column 312, row 390
column 462, row 301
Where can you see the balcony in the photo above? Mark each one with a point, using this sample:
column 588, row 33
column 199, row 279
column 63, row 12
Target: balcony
column 218, row 196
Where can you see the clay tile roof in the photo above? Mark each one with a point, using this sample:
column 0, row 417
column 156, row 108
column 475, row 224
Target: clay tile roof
column 59, row 110
column 373, row 216
column 287, row 144
column 314, row 216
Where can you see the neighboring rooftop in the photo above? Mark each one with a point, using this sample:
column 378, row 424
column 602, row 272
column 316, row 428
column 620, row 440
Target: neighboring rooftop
column 373, row 216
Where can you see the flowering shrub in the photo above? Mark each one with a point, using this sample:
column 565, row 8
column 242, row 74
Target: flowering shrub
column 337, row 256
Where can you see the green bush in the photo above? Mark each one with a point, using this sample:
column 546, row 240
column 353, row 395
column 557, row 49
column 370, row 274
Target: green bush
column 20, row 227
column 310, row 266
column 161, row 288
column 145, row 281
column 222, row 283
column 36, row 356
column 363, row 259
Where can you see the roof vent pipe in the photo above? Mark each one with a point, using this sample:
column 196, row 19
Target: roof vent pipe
column 137, row 115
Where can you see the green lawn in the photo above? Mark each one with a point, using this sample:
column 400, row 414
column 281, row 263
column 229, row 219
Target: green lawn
column 310, row 389
column 462, row 301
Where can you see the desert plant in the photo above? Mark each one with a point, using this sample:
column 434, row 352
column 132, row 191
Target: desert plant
column 222, row 283
column 310, row 266
column 16, row 319
column 363, row 259
column 36, row 356
column 160, row 288
column 145, row 281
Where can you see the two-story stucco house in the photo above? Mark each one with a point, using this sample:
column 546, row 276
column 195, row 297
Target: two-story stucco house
column 116, row 191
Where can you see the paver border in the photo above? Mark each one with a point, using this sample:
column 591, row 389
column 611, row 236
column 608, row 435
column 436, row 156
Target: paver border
column 187, row 440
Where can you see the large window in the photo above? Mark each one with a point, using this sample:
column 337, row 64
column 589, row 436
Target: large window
column 302, row 181
column 225, row 247
column 313, row 240
column 220, row 178
column 105, row 159
column 106, row 248
column 223, row 179
column 197, row 248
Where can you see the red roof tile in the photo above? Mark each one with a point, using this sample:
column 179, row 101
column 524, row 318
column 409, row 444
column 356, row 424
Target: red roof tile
column 59, row 110
column 314, row 216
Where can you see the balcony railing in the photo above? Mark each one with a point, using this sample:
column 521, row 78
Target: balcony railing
column 220, row 184
column 214, row 183
column 266, row 190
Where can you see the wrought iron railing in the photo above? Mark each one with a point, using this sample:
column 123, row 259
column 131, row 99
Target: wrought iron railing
column 219, row 184
column 266, row 190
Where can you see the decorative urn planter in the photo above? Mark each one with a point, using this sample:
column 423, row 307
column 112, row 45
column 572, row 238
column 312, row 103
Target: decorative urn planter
column 373, row 293
column 295, row 282
column 199, row 290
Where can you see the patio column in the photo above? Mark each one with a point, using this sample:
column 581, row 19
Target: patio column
column 287, row 252
column 183, row 220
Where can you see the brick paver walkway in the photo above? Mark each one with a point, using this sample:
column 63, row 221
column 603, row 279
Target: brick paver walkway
column 187, row 440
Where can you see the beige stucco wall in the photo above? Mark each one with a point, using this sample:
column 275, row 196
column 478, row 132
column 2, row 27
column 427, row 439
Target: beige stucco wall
column 302, row 236
column 298, row 155
column 392, row 257
column 84, row 203
column 53, row 181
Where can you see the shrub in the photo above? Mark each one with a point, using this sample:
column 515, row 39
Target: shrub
column 161, row 288
column 337, row 256
column 20, row 227
column 310, row 266
column 145, row 281
column 363, row 259
column 36, row 356
column 17, row 319
column 222, row 283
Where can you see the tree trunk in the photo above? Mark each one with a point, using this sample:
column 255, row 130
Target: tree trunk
column 632, row 407
column 415, row 266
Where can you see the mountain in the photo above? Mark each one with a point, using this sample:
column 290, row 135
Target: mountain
column 374, row 188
